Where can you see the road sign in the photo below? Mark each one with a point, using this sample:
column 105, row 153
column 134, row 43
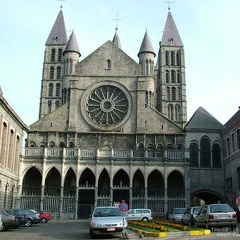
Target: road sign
column 238, row 201
column 123, row 207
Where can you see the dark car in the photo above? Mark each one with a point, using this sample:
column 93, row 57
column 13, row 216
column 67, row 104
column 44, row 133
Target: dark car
column 32, row 217
column 238, row 213
column 22, row 218
column 8, row 220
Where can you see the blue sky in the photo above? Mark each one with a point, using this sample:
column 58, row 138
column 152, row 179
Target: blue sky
column 209, row 29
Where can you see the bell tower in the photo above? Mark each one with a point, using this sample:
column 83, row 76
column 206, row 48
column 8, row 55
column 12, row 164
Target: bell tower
column 51, row 94
column 171, row 83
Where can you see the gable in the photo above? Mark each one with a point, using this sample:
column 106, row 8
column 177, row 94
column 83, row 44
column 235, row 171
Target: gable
column 108, row 60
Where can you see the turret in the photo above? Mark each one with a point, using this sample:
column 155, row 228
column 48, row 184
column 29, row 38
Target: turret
column 71, row 55
column 146, row 55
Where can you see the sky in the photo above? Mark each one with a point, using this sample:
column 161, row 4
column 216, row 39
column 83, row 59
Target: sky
column 209, row 29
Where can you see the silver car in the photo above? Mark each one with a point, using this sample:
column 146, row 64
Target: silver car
column 107, row 221
column 188, row 217
column 216, row 215
column 176, row 214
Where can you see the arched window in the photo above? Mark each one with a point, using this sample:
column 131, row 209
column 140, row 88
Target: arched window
column 216, row 156
column 178, row 76
column 57, row 89
column 173, row 77
column 173, row 93
column 177, row 113
column 167, row 76
column 168, row 93
column 56, row 104
column 32, row 144
column 109, row 64
column 53, row 52
column 170, row 112
column 178, row 59
column 172, row 58
column 58, row 72
column 167, row 58
column 49, row 106
column 59, row 55
column 205, row 153
column 51, row 73
column 50, row 89
column 193, row 155
column 52, row 144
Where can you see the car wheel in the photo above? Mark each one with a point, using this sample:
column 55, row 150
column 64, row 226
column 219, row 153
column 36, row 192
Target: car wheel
column 44, row 220
column 3, row 227
column 206, row 225
column 28, row 223
column 145, row 219
column 92, row 235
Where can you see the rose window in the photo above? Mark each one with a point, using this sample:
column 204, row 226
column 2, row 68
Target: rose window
column 107, row 105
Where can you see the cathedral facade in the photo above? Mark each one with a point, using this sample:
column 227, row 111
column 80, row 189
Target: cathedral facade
column 112, row 130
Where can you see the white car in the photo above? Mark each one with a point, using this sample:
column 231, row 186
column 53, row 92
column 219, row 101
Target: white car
column 1, row 224
column 139, row 214
column 107, row 221
column 176, row 215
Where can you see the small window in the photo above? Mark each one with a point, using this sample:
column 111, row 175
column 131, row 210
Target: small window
column 59, row 55
column 57, row 89
column 109, row 64
column 50, row 90
column 51, row 73
column 58, row 72
column 173, row 93
column 167, row 58
column 53, row 55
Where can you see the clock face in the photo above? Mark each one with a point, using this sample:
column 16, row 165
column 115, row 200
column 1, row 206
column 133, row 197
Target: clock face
column 107, row 105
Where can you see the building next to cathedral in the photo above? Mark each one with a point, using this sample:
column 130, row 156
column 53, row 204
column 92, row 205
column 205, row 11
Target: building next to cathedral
column 114, row 130
column 12, row 130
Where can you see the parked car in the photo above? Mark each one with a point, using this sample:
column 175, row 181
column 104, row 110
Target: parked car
column 32, row 217
column 45, row 217
column 8, row 221
column 189, row 215
column 1, row 224
column 107, row 221
column 22, row 218
column 216, row 215
column 238, row 213
column 139, row 214
column 176, row 215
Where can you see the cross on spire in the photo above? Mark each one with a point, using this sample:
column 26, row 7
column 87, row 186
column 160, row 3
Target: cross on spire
column 61, row 2
column 117, row 19
column 169, row 2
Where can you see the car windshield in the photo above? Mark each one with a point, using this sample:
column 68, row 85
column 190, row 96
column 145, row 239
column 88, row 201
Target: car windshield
column 106, row 212
column 220, row 208
column 179, row 210
column 196, row 209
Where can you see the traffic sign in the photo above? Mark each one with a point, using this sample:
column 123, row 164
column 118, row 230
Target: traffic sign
column 238, row 201
column 123, row 207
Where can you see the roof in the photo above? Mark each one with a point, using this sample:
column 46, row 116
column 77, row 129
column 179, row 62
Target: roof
column 171, row 36
column 116, row 40
column 233, row 119
column 202, row 119
column 146, row 46
column 58, row 34
column 72, row 45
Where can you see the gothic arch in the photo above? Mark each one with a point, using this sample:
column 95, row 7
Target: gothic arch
column 208, row 196
column 175, row 184
column 87, row 178
column 121, row 178
column 138, row 184
column 70, row 183
column 32, row 182
column 155, row 184
column 104, row 183
column 53, row 182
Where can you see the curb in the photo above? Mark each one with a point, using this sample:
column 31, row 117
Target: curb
column 170, row 234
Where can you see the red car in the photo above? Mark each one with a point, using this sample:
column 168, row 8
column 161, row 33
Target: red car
column 45, row 217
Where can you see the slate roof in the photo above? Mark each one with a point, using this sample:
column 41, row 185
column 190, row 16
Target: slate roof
column 116, row 40
column 171, row 36
column 58, row 34
column 233, row 119
column 72, row 45
column 202, row 119
column 146, row 46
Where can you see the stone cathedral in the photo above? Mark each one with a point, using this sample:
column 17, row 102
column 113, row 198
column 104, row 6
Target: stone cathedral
column 114, row 130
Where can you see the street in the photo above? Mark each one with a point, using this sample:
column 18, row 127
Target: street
column 79, row 230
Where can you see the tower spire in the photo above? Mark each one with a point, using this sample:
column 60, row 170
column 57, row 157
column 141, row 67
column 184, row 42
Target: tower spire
column 61, row 3
column 169, row 5
column 116, row 39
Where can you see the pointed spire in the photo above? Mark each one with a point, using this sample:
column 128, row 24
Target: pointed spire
column 146, row 45
column 58, row 34
column 116, row 39
column 171, row 36
column 72, row 45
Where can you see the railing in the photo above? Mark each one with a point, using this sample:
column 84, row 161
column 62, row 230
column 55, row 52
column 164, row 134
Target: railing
column 118, row 154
